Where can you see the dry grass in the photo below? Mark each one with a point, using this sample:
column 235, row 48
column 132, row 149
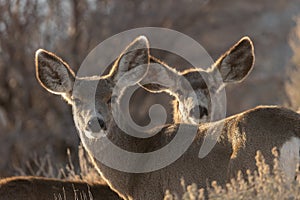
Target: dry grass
column 262, row 184
column 265, row 183
column 43, row 166
column 81, row 196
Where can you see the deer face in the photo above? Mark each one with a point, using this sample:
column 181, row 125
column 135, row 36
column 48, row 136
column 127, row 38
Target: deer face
column 91, row 97
column 233, row 67
column 90, row 102
column 194, row 109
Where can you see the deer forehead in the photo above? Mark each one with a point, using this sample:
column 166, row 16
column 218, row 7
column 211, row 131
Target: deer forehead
column 197, row 77
column 90, row 88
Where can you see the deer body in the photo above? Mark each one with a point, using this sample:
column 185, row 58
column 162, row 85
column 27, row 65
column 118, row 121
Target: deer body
column 153, row 185
column 39, row 188
column 241, row 136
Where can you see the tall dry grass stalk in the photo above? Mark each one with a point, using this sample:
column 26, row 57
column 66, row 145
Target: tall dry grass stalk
column 42, row 166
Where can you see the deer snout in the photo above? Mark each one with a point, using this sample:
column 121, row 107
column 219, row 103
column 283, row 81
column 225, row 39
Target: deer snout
column 202, row 111
column 95, row 125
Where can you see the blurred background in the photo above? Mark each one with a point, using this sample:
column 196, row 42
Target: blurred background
column 36, row 127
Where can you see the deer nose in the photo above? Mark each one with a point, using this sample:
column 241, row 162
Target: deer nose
column 202, row 111
column 96, row 125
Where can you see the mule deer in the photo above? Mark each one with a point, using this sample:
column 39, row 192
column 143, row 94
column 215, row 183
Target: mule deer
column 241, row 136
column 233, row 66
column 39, row 188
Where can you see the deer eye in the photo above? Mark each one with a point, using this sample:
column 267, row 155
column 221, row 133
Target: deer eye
column 194, row 112
column 203, row 111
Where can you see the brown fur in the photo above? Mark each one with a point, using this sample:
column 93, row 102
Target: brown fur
column 261, row 128
column 39, row 188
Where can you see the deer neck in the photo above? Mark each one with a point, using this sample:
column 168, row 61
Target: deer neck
column 124, row 183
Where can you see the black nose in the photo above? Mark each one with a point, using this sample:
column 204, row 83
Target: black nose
column 202, row 111
column 96, row 124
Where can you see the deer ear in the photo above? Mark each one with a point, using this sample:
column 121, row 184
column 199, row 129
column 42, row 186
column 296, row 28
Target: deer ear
column 195, row 78
column 237, row 62
column 136, row 54
column 160, row 77
column 53, row 73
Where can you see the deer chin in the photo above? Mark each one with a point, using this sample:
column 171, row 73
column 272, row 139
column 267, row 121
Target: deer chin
column 97, row 135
